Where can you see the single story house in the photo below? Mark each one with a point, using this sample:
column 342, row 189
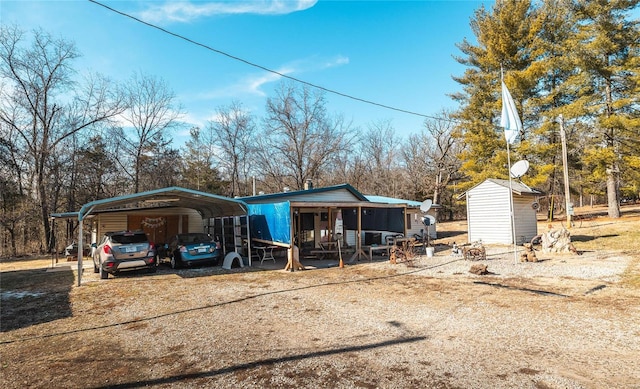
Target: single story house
column 312, row 217
column 307, row 218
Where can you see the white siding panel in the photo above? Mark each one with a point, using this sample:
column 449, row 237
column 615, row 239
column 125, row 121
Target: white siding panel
column 117, row 221
column 350, row 238
column 108, row 222
column 416, row 224
column 488, row 216
column 525, row 218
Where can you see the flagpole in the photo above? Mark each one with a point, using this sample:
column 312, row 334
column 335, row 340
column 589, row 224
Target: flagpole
column 507, row 126
column 511, row 211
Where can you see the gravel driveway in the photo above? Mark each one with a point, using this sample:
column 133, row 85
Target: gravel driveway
column 565, row 322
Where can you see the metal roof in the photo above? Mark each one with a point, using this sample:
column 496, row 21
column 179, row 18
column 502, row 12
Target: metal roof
column 208, row 205
column 393, row 200
column 517, row 187
column 283, row 196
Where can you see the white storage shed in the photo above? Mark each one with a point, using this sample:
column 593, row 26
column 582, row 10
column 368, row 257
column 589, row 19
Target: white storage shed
column 489, row 217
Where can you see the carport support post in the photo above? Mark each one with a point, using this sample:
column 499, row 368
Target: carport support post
column 293, row 240
column 80, row 249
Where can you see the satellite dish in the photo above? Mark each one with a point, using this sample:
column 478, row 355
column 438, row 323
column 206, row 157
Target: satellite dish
column 519, row 168
column 428, row 220
column 426, row 205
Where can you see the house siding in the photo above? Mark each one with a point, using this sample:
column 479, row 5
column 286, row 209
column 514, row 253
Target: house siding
column 526, row 224
column 118, row 221
column 489, row 217
column 416, row 224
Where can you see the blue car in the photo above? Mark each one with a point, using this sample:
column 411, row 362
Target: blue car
column 193, row 249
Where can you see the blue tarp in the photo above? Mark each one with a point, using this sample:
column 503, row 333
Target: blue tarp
column 271, row 222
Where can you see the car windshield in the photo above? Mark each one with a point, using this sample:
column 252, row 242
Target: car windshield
column 129, row 238
column 194, row 238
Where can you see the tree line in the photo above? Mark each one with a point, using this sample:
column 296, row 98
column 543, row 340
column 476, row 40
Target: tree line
column 68, row 138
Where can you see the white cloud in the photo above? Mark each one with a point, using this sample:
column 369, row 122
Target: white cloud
column 186, row 11
column 252, row 84
column 338, row 61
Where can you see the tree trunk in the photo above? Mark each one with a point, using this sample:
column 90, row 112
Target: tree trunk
column 12, row 234
column 45, row 213
column 613, row 208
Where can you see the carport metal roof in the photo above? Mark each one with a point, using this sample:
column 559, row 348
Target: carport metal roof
column 208, row 205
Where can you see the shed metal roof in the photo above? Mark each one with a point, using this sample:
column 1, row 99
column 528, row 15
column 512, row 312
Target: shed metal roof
column 517, row 187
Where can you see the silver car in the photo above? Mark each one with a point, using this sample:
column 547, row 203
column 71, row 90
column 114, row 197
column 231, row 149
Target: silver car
column 123, row 251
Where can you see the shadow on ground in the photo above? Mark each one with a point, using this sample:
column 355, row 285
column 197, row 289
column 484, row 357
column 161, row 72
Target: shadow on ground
column 32, row 297
column 588, row 238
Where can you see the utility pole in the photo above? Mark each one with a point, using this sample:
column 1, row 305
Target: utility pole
column 567, row 192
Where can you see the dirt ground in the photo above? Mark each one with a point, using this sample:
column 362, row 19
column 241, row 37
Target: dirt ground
column 568, row 321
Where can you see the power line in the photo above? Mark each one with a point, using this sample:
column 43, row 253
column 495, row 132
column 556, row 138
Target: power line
column 263, row 67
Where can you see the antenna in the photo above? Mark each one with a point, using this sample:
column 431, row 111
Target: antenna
column 428, row 220
column 426, row 205
column 519, row 168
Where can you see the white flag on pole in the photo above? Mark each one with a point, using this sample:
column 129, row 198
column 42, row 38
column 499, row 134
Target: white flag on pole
column 510, row 120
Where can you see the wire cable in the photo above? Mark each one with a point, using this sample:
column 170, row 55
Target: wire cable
column 263, row 67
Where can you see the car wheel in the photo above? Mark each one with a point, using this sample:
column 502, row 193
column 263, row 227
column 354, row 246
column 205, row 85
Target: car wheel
column 103, row 274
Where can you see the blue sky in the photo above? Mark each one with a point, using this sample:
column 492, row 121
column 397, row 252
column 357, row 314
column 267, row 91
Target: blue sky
column 395, row 53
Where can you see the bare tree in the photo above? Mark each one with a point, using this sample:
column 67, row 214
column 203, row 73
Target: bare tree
column 231, row 139
column 12, row 197
column 43, row 106
column 380, row 151
column 350, row 166
column 299, row 141
column 151, row 113
column 431, row 157
column 198, row 170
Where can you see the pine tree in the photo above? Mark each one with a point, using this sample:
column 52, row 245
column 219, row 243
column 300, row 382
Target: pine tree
column 607, row 51
column 504, row 37
column 557, row 83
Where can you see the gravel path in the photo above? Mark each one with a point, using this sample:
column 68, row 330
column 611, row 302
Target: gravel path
column 564, row 322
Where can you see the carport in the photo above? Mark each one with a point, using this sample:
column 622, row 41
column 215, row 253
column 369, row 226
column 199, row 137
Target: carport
column 206, row 204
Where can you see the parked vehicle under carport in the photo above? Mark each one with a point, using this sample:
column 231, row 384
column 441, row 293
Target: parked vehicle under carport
column 123, row 251
column 190, row 250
